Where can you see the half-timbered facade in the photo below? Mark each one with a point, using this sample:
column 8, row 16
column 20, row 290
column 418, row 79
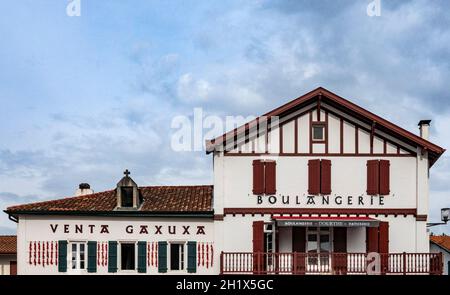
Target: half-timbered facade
column 318, row 185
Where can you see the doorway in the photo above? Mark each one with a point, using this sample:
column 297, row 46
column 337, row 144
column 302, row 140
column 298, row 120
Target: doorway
column 318, row 248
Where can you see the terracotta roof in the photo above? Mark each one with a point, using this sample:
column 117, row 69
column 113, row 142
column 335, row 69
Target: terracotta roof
column 341, row 103
column 442, row 241
column 156, row 199
column 8, row 244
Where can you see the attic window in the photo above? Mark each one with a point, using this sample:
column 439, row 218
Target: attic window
column 318, row 132
column 126, row 196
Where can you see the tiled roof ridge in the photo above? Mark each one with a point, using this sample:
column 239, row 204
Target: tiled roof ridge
column 159, row 198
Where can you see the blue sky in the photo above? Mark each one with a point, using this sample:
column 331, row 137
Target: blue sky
column 83, row 98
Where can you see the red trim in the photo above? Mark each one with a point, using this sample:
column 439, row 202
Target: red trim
column 310, row 133
column 325, row 211
column 281, row 137
column 342, row 136
column 296, row 135
column 326, row 132
column 319, row 154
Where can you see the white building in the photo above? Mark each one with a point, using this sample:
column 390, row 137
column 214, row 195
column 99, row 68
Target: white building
column 310, row 187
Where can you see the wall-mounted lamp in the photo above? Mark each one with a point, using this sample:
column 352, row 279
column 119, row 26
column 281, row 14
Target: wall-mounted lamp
column 445, row 216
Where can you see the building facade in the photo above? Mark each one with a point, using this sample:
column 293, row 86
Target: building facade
column 317, row 185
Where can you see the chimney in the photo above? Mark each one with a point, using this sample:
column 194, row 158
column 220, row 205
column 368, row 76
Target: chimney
column 83, row 189
column 424, row 126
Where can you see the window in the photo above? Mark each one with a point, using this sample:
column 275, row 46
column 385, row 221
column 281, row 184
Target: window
column 319, row 177
column 264, row 177
column 127, row 196
column 378, row 178
column 78, row 255
column 176, row 256
column 318, row 132
column 128, row 256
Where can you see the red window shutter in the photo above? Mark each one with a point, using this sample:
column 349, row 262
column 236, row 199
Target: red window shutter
column 372, row 177
column 384, row 177
column 258, row 236
column 383, row 243
column 314, row 177
column 372, row 239
column 258, row 177
column 270, row 177
column 258, row 246
column 325, row 175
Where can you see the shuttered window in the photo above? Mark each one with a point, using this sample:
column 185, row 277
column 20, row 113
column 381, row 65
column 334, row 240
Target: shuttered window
column 142, row 257
column 62, row 256
column 384, row 177
column 264, row 177
column 112, row 256
column 162, row 257
column 192, row 257
column 92, row 256
column 378, row 177
column 319, row 177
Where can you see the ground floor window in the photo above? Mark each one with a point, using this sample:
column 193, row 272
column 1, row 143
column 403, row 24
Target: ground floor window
column 128, row 256
column 78, row 255
column 177, row 256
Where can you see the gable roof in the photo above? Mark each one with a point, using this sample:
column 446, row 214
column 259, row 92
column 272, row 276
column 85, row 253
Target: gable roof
column 332, row 99
column 8, row 244
column 441, row 241
column 156, row 200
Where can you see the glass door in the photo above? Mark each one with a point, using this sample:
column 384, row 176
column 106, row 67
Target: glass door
column 318, row 248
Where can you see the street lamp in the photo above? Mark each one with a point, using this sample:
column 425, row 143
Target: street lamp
column 445, row 216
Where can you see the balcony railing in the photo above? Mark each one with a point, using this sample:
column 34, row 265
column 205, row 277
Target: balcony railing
column 330, row 263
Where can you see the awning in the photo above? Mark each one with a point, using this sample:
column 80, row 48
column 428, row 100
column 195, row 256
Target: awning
column 326, row 221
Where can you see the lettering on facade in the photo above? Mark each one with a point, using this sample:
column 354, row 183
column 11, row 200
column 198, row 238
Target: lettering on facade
column 321, row 200
column 129, row 229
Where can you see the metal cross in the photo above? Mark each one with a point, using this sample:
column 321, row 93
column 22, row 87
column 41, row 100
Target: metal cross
column 126, row 172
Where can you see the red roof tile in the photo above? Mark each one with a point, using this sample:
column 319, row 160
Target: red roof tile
column 156, row 199
column 443, row 241
column 8, row 244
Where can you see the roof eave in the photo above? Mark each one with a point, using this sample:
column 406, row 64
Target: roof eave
column 196, row 214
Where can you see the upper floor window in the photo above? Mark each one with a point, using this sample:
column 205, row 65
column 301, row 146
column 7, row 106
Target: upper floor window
column 264, row 177
column 318, row 132
column 127, row 196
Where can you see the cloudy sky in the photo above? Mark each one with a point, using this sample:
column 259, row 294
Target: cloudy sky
column 82, row 98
